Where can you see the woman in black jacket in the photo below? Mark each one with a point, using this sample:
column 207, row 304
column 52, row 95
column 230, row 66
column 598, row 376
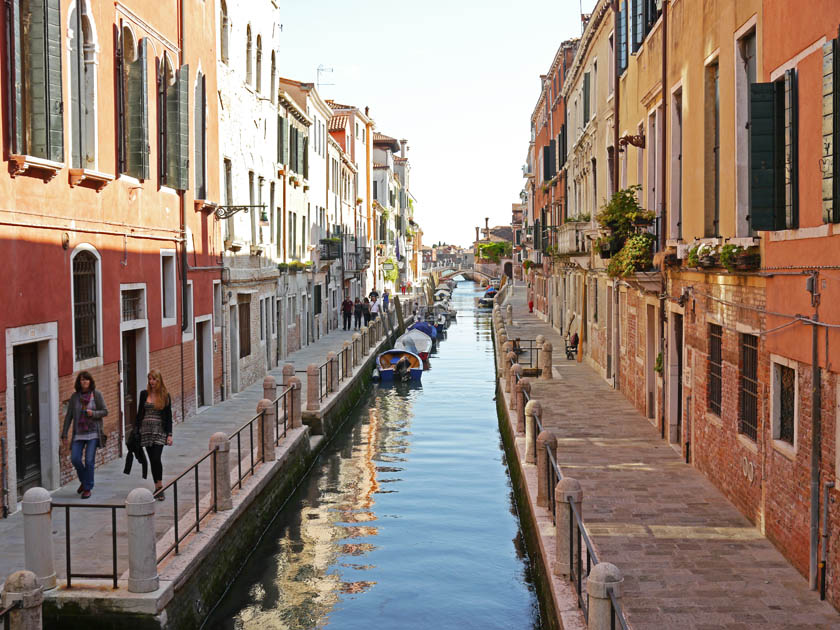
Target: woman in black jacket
column 85, row 411
column 154, row 425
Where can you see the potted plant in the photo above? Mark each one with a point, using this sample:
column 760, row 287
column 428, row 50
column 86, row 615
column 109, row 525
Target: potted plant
column 282, row 267
column 748, row 259
column 636, row 255
column 622, row 213
column 707, row 254
column 728, row 255
column 527, row 264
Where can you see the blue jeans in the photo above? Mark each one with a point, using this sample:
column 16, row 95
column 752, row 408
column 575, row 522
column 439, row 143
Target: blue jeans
column 84, row 468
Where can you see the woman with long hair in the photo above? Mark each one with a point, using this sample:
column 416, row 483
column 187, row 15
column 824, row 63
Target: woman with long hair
column 85, row 411
column 154, row 425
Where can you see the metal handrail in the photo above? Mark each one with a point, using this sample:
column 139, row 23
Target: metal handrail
column 96, row 506
column 13, row 606
column 616, row 611
column 521, row 346
column 238, row 435
column 577, row 534
column 199, row 514
column 323, row 381
column 281, row 401
column 554, row 477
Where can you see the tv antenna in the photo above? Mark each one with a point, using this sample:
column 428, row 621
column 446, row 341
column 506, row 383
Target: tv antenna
column 321, row 70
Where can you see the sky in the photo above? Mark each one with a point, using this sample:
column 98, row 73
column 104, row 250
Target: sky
column 458, row 79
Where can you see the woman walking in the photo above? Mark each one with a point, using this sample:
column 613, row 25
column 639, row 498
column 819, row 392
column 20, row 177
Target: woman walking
column 366, row 311
column 154, row 425
column 85, row 410
column 357, row 314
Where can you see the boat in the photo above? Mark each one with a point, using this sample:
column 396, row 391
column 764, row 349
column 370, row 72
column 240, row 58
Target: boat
column 426, row 328
column 398, row 364
column 442, row 294
column 484, row 302
column 441, row 322
column 416, row 342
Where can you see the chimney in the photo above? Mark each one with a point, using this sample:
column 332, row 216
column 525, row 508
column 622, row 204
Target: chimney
column 403, row 148
column 476, row 234
column 367, row 111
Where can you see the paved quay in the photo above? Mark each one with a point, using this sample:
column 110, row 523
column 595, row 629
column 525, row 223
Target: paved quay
column 690, row 559
column 91, row 528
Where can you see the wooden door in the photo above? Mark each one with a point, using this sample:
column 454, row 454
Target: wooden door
column 27, row 417
column 129, row 375
column 199, row 363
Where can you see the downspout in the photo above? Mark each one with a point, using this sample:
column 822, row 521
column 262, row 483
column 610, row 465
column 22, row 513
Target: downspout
column 816, row 428
column 662, row 216
column 183, row 216
column 616, row 186
column 823, row 557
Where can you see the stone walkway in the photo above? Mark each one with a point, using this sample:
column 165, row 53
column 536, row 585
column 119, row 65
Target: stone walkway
column 690, row 560
column 91, row 528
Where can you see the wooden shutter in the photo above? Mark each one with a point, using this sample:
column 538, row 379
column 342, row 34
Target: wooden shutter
column 77, row 119
column 182, row 139
column 137, row 123
column 122, row 152
column 622, row 40
column 14, row 67
column 54, row 95
column 34, row 81
column 546, row 163
column 791, row 170
column 299, row 154
column 552, row 152
column 586, row 88
column 638, row 25
column 280, row 130
column 286, row 139
column 306, row 157
column 764, row 157
column 830, row 130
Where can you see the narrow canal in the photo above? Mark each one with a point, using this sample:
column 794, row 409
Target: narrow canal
column 408, row 518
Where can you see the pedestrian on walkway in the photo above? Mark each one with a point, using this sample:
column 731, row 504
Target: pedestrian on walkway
column 385, row 297
column 374, row 309
column 357, row 314
column 154, row 424
column 346, row 312
column 85, row 410
column 531, row 306
column 366, row 311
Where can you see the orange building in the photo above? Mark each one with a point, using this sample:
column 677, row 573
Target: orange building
column 106, row 222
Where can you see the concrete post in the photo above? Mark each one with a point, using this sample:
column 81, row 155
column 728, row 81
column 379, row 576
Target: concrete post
column 515, row 372
column 507, row 347
column 539, row 341
column 544, row 439
column 566, row 491
column 357, row 342
column 332, row 371
column 545, row 362
column 269, row 387
column 312, row 384
column 268, row 426
column 524, row 387
column 37, row 536
column 220, row 465
column 509, row 314
column 142, row 553
column 288, row 372
column 347, row 358
column 510, row 359
column 297, row 403
column 365, row 334
column 23, row 587
column 603, row 578
column 532, row 410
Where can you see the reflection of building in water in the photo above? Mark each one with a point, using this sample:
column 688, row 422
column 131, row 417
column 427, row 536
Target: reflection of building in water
column 327, row 542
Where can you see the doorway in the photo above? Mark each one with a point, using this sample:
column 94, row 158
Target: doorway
column 234, row 348
column 203, row 363
column 27, row 418
column 675, row 378
column 609, row 331
column 129, row 376
column 650, row 361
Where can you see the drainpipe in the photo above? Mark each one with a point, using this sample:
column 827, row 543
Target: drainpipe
column 662, row 214
column 183, row 217
column 615, row 95
column 816, row 428
column 826, row 487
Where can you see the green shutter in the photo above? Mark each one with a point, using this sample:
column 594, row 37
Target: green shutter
column 36, row 86
column 178, row 130
column 764, row 157
column 54, row 96
column 299, row 154
column 621, row 40
column 305, row 157
column 16, row 78
column 77, row 69
column 791, row 171
column 279, row 139
column 830, row 209
column 286, row 141
column 586, row 88
column 137, row 123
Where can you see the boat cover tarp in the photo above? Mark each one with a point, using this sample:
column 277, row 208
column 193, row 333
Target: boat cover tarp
column 425, row 327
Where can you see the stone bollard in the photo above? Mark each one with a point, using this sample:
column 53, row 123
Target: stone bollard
column 268, row 427
column 544, row 439
column 312, row 387
column 545, row 362
column 515, row 373
column 332, row 371
column 523, row 388
column 603, row 578
column 288, row 372
column 566, row 491
column 539, row 341
column 510, row 359
column 37, row 536
column 347, row 359
column 365, row 334
column 142, row 552
column 269, row 387
column 220, row 465
column 297, row 403
column 533, row 409
column 357, row 342
column 23, row 587
column 507, row 347
column 509, row 314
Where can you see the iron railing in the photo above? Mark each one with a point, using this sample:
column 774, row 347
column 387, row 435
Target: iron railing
column 4, row 612
column 68, row 547
column 200, row 513
column 553, row 478
column 323, row 380
column 253, row 460
column 281, row 414
column 527, row 352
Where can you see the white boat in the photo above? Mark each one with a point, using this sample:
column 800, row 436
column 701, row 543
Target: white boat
column 416, row 342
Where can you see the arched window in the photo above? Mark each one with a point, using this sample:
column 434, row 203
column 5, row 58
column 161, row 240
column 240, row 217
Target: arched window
column 85, row 307
column 132, row 106
column 259, row 63
column 248, row 46
column 173, row 117
column 224, row 32
column 200, row 126
column 82, row 87
column 273, row 76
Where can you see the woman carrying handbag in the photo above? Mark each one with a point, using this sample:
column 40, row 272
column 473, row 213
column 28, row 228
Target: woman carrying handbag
column 85, row 411
column 154, row 425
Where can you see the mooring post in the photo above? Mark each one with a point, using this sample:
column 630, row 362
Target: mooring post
column 220, row 463
column 515, row 375
column 532, row 410
column 545, row 440
column 269, row 387
column 297, row 403
column 267, row 428
column 545, row 362
column 142, row 553
column 357, row 340
column 288, row 372
column 346, row 358
column 313, row 385
column 37, row 536
column 22, row 588
column 523, row 390
column 566, row 491
column 603, row 578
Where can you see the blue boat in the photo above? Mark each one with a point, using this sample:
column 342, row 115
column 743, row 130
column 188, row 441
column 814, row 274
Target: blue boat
column 388, row 364
column 425, row 327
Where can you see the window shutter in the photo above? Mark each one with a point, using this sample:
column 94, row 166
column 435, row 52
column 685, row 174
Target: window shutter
column 54, row 96
column 299, row 154
column 546, row 164
column 138, row 123
column 586, row 88
column 182, row 137
column 638, row 25
column 763, row 157
column 831, row 211
column 36, row 85
column 286, row 141
column 791, row 169
column 15, row 78
column 306, row 157
column 77, row 119
column 552, row 150
column 122, row 125
column 279, row 139
column 622, row 40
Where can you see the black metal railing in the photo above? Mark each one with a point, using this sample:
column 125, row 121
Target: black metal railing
column 553, row 478
column 113, row 575
column 4, row 612
column 282, row 408
column 252, row 459
column 527, row 352
column 616, row 612
column 200, row 512
column 580, row 544
column 323, row 380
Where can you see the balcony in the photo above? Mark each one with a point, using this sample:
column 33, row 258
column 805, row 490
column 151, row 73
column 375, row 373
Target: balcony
column 571, row 238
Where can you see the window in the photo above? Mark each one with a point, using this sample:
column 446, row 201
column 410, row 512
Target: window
column 244, row 326
column 248, row 62
column 715, row 368
column 675, row 216
column 132, row 106
column 748, row 416
column 252, row 211
column 82, row 88
column 711, row 225
column 317, row 299
column 282, row 140
column 200, row 131
column 376, row 191
column 188, row 316
column 611, row 68
column 587, row 79
column 34, row 69
column 167, row 287
column 259, row 63
column 173, row 106
column 262, row 319
column 270, row 213
column 785, row 392
column 774, row 166
column 85, row 307
column 217, row 304
column 745, row 75
column 224, row 32
column 132, row 302
column 273, row 96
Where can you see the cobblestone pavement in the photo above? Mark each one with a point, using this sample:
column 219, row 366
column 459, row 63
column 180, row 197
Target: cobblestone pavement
column 91, row 528
column 690, row 559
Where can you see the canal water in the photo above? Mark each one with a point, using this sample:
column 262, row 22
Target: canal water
column 407, row 519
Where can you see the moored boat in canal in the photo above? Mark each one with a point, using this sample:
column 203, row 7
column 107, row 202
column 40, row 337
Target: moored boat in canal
column 391, row 364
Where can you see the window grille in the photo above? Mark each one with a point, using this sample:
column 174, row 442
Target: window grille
column 84, row 305
column 787, row 402
column 748, row 420
column 132, row 305
column 715, row 384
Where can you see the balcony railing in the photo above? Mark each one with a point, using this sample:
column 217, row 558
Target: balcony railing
column 571, row 238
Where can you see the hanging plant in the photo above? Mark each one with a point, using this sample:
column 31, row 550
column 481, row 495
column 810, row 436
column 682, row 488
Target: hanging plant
column 636, row 255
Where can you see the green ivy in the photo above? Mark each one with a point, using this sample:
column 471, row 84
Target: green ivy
column 495, row 251
column 636, row 255
column 622, row 213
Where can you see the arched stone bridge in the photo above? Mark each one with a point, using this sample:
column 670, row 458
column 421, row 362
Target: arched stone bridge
column 469, row 273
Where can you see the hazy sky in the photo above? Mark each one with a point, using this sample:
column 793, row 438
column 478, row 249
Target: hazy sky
column 457, row 78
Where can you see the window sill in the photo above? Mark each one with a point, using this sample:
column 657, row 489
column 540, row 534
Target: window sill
column 167, row 322
column 94, row 179
column 820, row 231
column 714, row 419
column 87, row 364
column 187, row 336
column 784, row 448
column 747, row 443
column 21, row 164
column 168, row 190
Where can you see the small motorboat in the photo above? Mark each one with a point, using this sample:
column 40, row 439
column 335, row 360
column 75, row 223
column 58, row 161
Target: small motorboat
column 441, row 323
column 397, row 365
column 442, row 294
column 485, row 302
column 426, row 328
column 416, row 342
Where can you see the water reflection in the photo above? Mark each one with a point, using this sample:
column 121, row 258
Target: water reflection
column 407, row 521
